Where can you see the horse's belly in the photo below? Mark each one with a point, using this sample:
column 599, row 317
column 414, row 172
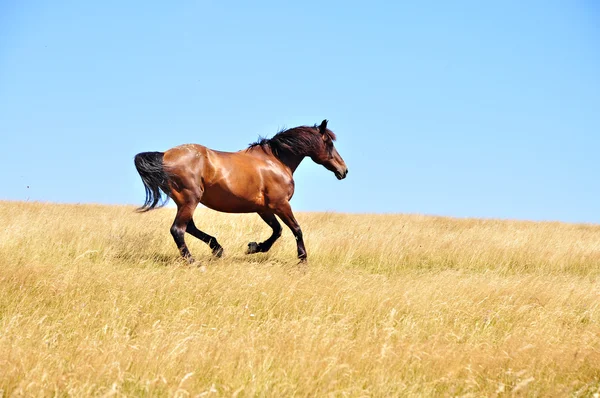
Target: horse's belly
column 220, row 199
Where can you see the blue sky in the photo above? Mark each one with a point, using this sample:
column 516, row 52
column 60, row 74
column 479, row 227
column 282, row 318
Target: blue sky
column 466, row 108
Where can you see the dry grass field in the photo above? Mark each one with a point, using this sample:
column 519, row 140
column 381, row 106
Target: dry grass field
column 94, row 301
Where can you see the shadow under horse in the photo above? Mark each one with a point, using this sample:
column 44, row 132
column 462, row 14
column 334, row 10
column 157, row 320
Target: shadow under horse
column 258, row 179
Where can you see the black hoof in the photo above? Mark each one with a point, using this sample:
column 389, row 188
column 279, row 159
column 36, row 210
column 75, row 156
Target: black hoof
column 252, row 248
column 218, row 252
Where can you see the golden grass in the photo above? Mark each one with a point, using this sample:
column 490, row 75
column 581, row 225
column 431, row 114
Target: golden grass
column 95, row 301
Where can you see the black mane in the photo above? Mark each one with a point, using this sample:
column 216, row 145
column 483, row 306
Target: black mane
column 297, row 141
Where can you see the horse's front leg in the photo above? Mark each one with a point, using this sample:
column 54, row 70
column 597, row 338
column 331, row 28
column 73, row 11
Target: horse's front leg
column 264, row 247
column 284, row 211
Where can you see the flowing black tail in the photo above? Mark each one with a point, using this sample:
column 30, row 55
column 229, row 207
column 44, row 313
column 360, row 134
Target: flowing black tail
column 154, row 177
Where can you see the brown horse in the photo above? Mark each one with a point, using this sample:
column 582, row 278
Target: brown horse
column 258, row 179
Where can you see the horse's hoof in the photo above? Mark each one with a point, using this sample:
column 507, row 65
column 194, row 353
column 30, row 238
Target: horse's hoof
column 218, row 252
column 252, row 248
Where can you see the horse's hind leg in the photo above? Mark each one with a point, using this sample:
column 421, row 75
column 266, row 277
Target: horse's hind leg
column 211, row 241
column 184, row 215
column 263, row 247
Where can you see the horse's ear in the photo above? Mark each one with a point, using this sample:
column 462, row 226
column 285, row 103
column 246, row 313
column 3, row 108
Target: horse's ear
column 323, row 126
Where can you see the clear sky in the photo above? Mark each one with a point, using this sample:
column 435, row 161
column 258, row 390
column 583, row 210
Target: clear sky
column 465, row 108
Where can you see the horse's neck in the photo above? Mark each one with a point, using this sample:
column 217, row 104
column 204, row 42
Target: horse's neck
column 292, row 161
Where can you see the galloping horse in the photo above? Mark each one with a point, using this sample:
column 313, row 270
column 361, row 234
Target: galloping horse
column 258, row 179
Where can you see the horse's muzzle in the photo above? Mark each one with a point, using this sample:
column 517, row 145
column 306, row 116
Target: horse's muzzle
column 341, row 174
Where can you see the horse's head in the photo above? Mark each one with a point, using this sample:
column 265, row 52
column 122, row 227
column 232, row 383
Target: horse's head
column 327, row 155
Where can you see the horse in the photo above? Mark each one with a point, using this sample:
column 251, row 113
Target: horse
column 258, row 179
